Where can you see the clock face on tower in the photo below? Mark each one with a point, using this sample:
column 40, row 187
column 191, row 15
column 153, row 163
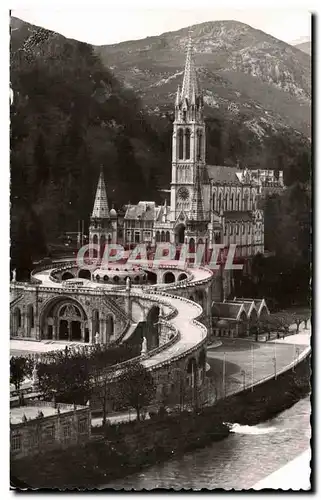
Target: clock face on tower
column 183, row 194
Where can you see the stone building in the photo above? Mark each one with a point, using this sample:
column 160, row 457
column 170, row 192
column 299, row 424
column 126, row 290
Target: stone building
column 41, row 426
column 208, row 203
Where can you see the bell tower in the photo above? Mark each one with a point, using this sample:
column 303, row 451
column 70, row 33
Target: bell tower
column 188, row 145
column 103, row 224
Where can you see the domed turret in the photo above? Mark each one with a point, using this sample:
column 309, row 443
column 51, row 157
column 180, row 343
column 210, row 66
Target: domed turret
column 113, row 213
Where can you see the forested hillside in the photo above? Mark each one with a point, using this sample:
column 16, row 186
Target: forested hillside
column 69, row 116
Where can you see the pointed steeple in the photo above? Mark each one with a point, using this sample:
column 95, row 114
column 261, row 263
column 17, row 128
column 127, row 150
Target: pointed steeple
column 178, row 96
column 197, row 211
column 100, row 210
column 190, row 83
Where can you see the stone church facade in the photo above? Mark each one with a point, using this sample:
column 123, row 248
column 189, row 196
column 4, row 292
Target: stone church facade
column 209, row 204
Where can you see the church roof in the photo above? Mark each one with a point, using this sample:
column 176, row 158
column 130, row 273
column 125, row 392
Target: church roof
column 100, row 210
column 226, row 310
column 241, row 215
column 223, row 175
column 144, row 210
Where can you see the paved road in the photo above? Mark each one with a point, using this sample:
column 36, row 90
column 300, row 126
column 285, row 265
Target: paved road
column 241, row 355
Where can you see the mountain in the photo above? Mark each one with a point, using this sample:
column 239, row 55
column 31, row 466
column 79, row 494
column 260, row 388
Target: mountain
column 76, row 107
column 69, row 116
column 305, row 47
column 244, row 73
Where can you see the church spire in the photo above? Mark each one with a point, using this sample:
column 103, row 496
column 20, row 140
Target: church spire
column 190, row 83
column 100, row 210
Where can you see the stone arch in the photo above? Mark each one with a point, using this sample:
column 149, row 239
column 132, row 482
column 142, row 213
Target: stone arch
column 187, row 144
column 180, row 234
column 232, row 201
column 167, row 236
column 102, row 245
column 220, row 201
column 110, row 325
column 95, row 322
column 191, row 245
column 180, row 143
column 226, row 201
column 16, row 321
column 152, row 328
column 199, row 144
column 152, row 277
column 214, row 200
column 48, row 319
column 95, row 242
column 67, row 275
column 30, row 319
column 63, row 318
column 238, row 201
column 157, row 236
column 85, row 274
column 191, row 297
column 162, row 236
column 182, row 276
column 169, row 277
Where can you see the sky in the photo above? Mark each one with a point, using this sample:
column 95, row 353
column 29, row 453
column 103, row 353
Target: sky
column 116, row 22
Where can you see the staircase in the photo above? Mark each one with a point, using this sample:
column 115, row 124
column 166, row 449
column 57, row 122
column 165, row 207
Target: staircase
column 115, row 308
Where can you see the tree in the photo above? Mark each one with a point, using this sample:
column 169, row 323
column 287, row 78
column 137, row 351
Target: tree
column 20, row 368
column 135, row 388
column 101, row 378
column 67, row 376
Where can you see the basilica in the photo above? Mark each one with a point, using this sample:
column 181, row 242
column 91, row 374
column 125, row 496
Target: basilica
column 209, row 204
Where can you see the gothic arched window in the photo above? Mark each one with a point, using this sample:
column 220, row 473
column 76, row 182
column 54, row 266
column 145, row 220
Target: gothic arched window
column 199, row 144
column 187, row 144
column 214, row 199
column 232, row 201
column 180, row 144
column 225, row 202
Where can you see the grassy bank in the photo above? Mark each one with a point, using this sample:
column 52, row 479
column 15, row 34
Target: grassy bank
column 129, row 447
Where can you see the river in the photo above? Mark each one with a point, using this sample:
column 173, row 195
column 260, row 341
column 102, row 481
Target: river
column 244, row 458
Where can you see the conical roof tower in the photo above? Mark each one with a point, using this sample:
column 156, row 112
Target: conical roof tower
column 101, row 210
column 190, row 87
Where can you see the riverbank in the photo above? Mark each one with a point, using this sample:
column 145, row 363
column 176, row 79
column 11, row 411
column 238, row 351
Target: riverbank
column 129, row 447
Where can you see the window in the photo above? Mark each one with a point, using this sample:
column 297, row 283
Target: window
column 49, row 433
column 225, row 202
column 249, row 228
column 180, row 144
column 67, row 432
column 199, row 144
column 83, row 426
column 187, row 144
column 243, row 229
column 237, row 229
column 231, row 229
column 16, row 442
column 137, row 237
column 225, row 230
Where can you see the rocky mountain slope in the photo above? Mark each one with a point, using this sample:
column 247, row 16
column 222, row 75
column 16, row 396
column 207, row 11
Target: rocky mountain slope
column 305, row 47
column 244, row 73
